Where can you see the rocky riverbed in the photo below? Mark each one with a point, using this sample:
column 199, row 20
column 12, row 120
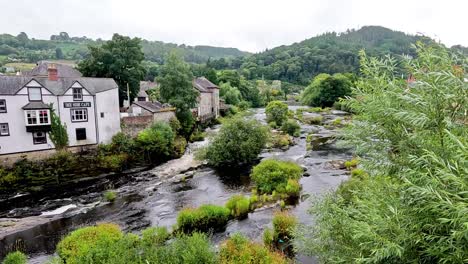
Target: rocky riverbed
column 155, row 196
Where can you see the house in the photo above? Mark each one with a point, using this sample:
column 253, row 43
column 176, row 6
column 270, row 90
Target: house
column 145, row 86
column 208, row 100
column 159, row 111
column 89, row 108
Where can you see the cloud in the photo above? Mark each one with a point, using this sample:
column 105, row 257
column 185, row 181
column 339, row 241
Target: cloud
column 252, row 25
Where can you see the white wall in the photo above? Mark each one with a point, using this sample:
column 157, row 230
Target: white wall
column 204, row 106
column 19, row 140
column 107, row 102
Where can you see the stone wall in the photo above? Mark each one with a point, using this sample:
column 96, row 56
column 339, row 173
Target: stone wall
column 131, row 125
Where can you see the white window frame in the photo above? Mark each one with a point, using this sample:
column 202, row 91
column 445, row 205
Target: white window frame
column 77, row 94
column 83, row 114
column 37, row 117
column 4, row 127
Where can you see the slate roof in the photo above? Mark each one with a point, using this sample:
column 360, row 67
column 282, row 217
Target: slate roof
column 204, row 85
column 63, row 70
column 153, row 107
column 36, row 105
column 10, row 85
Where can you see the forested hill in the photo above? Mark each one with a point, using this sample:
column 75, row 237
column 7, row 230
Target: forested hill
column 64, row 47
column 326, row 53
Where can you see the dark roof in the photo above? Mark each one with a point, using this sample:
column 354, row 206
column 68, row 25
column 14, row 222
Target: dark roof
column 63, row 70
column 204, row 85
column 10, row 85
column 153, row 107
column 36, row 105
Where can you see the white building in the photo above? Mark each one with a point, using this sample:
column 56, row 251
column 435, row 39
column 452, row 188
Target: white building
column 89, row 107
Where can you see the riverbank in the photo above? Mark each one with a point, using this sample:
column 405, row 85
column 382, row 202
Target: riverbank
column 155, row 197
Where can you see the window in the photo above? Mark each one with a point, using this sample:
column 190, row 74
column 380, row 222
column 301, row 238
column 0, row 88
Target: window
column 141, row 98
column 3, row 106
column 102, row 114
column 77, row 94
column 38, row 117
column 79, row 115
column 4, row 130
column 80, row 133
column 39, row 138
column 35, row 94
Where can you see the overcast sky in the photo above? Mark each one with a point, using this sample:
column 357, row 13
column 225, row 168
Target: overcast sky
column 250, row 25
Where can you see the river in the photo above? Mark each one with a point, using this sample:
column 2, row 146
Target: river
column 155, row 196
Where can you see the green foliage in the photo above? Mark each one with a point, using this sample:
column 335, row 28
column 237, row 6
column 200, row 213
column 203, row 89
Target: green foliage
column 154, row 236
column 325, row 90
column 293, row 188
column 349, row 164
column 176, row 89
column 175, row 124
column 239, row 250
column 313, row 120
column 291, row 127
column 15, row 258
column 270, row 175
column 358, row 173
column 231, row 95
column 238, row 205
column 284, row 227
column 113, row 162
column 58, row 131
column 180, row 145
column 277, row 112
column 156, row 141
column 238, row 142
column 110, row 196
column 81, row 242
column 412, row 206
column 122, row 143
column 121, row 59
column 203, row 219
column 244, row 105
column 279, row 140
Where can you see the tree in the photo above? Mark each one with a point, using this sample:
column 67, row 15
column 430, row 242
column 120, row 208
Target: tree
column 231, row 95
column 277, row 112
column 176, row 89
column 238, row 142
column 58, row 131
column 325, row 90
column 58, row 54
column 121, row 59
column 410, row 206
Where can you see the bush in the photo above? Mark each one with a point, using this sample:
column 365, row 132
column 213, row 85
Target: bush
column 326, row 89
column 313, row 120
column 293, row 188
column 271, row 175
column 202, row 219
column 358, row 173
column 279, row 140
column 175, row 124
column 349, row 164
column 154, row 236
column 197, row 136
column 239, row 250
column 244, row 105
column 122, row 143
column 284, row 225
column 238, row 142
column 291, row 127
column 110, row 196
column 113, row 162
column 238, row 205
column 77, row 245
column 15, row 258
column 277, row 112
column 180, row 145
column 156, row 141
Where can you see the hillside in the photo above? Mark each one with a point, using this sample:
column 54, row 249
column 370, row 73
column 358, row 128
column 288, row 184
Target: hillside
column 326, row 53
column 64, row 47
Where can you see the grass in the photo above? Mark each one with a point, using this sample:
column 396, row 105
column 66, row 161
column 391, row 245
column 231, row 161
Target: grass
column 110, row 196
column 202, row 219
column 15, row 258
column 239, row 206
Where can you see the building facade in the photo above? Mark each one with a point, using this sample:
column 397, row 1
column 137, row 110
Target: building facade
column 208, row 100
column 88, row 107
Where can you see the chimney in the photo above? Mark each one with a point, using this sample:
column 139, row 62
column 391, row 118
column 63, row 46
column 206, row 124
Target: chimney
column 52, row 72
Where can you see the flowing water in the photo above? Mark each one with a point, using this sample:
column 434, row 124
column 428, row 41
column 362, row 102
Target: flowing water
column 155, row 196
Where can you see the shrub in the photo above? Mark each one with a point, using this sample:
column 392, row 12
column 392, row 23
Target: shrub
column 349, row 164
column 175, row 124
column 279, row 140
column 293, row 188
column 326, row 89
column 157, row 140
column 180, row 144
column 80, row 242
column 238, row 205
column 58, row 131
column 313, row 120
column 358, row 173
column 268, row 239
column 113, row 162
column 272, row 124
column 110, row 196
column 291, row 127
column 270, row 175
column 277, row 112
column 238, row 142
column 197, row 136
column 122, row 143
column 283, row 226
column 154, row 236
column 15, row 258
column 244, row 105
column 202, row 219
column 239, row 250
